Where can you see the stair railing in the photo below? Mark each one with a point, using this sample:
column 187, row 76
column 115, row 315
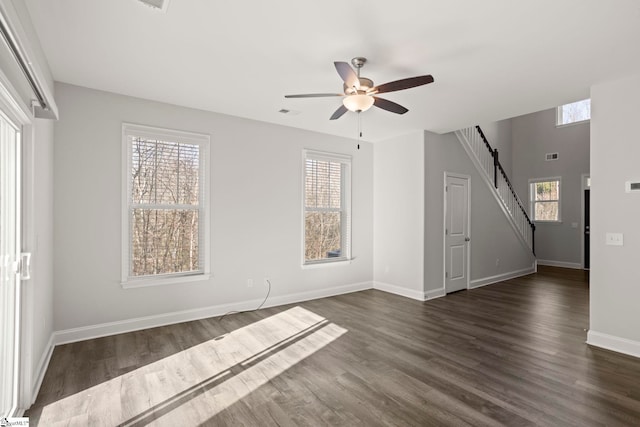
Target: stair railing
column 489, row 161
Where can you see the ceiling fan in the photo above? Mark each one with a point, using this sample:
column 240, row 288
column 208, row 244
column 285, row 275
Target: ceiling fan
column 359, row 92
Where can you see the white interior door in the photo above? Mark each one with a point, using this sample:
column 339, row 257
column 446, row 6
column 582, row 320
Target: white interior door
column 456, row 233
column 9, row 264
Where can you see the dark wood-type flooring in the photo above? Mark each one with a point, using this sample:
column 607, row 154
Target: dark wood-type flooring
column 512, row 354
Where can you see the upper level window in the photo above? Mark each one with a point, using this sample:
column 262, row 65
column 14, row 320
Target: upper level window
column 327, row 207
column 165, row 217
column 574, row 113
column 545, row 199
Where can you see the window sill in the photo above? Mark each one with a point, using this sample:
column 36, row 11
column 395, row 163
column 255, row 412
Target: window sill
column 321, row 264
column 161, row 281
column 548, row 222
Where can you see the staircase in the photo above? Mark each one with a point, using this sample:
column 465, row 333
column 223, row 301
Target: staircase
column 487, row 161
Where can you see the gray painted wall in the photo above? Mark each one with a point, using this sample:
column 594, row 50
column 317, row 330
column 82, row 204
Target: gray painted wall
column 256, row 174
column 492, row 237
column 409, row 212
column 615, row 155
column 42, row 284
column 534, row 135
column 499, row 135
column 399, row 212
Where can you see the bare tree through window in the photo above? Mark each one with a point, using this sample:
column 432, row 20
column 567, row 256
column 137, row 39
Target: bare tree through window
column 575, row 112
column 326, row 213
column 546, row 200
column 165, row 207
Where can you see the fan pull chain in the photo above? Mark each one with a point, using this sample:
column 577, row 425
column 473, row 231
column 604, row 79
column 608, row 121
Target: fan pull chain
column 359, row 129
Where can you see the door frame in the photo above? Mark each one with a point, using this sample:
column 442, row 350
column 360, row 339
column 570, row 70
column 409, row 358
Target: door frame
column 583, row 186
column 444, row 227
column 12, row 105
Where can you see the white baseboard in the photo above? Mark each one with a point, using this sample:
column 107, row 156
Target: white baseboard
column 613, row 343
column 477, row 283
column 550, row 263
column 399, row 290
column 130, row 325
column 436, row 293
column 41, row 369
column 316, row 294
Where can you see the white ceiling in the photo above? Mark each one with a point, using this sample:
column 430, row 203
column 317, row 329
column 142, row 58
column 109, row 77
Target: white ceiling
column 491, row 59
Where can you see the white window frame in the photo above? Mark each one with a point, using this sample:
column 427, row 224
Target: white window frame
column 203, row 140
column 345, row 218
column 559, row 115
column 532, row 201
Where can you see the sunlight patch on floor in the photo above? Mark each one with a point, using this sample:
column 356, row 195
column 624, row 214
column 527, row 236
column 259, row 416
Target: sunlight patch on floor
column 206, row 378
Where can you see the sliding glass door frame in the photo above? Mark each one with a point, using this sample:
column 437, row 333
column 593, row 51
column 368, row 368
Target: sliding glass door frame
column 16, row 116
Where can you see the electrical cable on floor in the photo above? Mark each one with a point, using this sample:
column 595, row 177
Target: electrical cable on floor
column 248, row 311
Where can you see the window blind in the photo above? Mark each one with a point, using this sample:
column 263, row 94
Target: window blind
column 166, row 215
column 327, row 216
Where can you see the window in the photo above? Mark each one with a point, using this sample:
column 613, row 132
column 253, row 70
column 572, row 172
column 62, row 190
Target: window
column 545, row 199
column 575, row 112
column 165, row 219
column 327, row 205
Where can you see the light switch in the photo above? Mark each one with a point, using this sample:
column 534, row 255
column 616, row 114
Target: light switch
column 614, row 239
column 574, row 225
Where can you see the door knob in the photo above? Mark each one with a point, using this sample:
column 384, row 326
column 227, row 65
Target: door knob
column 467, row 239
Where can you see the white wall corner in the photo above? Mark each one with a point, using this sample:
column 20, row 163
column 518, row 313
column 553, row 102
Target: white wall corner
column 399, row 290
column 477, row 283
column 435, row 293
column 42, row 367
column 613, row 343
column 136, row 324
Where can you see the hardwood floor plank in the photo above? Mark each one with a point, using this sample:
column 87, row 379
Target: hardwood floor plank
column 512, row 354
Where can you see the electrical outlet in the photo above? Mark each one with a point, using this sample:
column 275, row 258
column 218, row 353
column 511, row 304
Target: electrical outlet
column 249, row 283
column 497, row 262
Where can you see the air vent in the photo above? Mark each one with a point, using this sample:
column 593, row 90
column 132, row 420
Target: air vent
column 289, row 112
column 632, row 186
column 551, row 156
column 160, row 5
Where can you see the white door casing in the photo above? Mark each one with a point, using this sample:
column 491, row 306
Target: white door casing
column 16, row 171
column 10, row 244
column 456, row 232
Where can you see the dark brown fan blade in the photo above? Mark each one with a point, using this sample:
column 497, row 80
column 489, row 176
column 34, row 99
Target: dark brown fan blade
column 348, row 76
column 385, row 104
column 402, row 84
column 313, row 95
column 339, row 112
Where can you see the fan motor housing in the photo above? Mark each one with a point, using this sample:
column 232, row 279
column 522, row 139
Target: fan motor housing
column 365, row 84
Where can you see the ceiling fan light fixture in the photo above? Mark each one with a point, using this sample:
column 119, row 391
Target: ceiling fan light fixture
column 358, row 93
column 358, row 102
column 160, row 5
